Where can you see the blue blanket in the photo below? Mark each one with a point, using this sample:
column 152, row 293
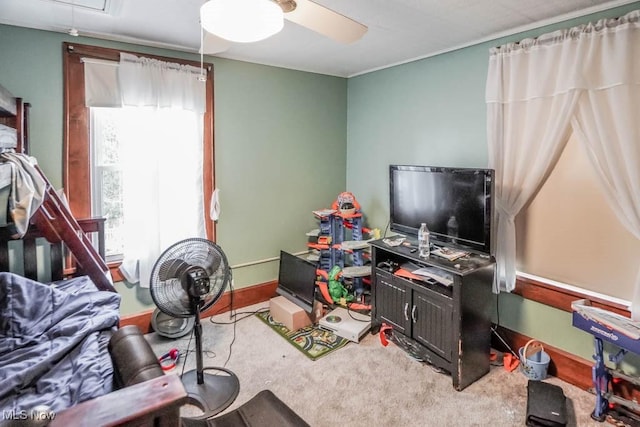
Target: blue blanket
column 53, row 342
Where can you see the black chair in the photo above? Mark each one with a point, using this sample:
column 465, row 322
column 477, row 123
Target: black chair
column 135, row 362
column 263, row 410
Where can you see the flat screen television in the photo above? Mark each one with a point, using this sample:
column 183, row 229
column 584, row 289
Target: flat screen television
column 456, row 204
column 297, row 280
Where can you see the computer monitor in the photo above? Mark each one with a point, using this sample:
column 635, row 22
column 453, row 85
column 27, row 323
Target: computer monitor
column 297, row 280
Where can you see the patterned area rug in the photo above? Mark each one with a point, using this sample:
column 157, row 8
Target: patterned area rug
column 311, row 340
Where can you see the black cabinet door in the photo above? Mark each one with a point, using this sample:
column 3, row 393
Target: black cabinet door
column 393, row 302
column 432, row 318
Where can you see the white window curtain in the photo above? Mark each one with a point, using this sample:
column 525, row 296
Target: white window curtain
column 162, row 185
column 162, row 161
column 147, row 82
column 584, row 77
column 607, row 121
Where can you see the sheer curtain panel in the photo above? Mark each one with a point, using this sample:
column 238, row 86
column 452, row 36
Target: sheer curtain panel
column 163, row 162
column 584, row 77
column 162, row 185
column 161, row 129
column 530, row 100
column 607, row 121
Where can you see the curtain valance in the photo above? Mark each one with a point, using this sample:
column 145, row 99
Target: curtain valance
column 565, row 60
column 148, row 82
column 143, row 82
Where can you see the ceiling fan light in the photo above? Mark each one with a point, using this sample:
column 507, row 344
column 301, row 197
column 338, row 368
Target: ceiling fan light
column 242, row 21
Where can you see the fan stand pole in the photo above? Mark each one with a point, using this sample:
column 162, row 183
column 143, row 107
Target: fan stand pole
column 198, row 333
column 212, row 393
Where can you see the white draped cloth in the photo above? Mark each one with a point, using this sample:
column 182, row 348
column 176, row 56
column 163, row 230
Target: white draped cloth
column 27, row 188
column 161, row 161
column 585, row 79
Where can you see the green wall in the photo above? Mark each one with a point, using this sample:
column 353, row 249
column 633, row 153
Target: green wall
column 280, row 149
column 281, row 146
column 432, row 112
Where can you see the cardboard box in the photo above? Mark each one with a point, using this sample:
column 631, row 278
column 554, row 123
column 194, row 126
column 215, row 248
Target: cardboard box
column 289, row 314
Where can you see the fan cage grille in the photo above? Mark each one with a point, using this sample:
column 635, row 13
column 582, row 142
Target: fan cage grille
column 170, row 296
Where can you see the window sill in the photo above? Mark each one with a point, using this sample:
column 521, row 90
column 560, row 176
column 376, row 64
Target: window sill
column 114, row 268
column 560, row 298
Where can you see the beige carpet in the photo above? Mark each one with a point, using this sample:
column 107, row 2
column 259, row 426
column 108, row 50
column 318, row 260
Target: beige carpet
column 365, row 384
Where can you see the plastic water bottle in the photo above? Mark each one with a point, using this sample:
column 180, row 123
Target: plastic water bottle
column 423, row 241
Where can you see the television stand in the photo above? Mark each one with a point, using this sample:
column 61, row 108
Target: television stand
column 446, row 325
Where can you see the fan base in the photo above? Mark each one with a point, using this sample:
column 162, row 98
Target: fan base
column 215, row 394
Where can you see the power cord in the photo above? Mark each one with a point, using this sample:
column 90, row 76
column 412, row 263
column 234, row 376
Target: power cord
column 245, row 314
column 233, row 317
column 208, row 353
column 349, row 310
column 494, row 328
column 231, row 344
column 186, row 356
column 498, row 309
column 386, row 228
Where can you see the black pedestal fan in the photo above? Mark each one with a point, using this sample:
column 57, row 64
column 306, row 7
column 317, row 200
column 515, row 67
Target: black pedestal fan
column 189, row 277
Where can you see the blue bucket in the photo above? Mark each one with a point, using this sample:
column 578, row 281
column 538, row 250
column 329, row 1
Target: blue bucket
column 535, row 366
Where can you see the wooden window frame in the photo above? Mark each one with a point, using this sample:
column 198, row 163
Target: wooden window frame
column 560, row 298
column 76, row 138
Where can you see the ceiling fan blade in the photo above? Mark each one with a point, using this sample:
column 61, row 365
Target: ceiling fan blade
column 326, row 22
column 214, row 44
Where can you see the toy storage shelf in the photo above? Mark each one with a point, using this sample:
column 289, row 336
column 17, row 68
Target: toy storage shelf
column 447, row 326
column 622, row 333
column 332, row 246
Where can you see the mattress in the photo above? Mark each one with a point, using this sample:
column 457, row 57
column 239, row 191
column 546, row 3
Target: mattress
column 8, row 138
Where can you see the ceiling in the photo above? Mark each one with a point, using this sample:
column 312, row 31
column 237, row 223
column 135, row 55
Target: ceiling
column 399, row 30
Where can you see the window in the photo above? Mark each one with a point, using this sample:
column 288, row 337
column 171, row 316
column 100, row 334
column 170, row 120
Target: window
column 97, row 190
column 106, row 178
column 570, row 234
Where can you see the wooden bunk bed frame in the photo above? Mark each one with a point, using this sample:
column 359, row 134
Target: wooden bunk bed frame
column 60, row 266
column 53, row 218
column 154, row 402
